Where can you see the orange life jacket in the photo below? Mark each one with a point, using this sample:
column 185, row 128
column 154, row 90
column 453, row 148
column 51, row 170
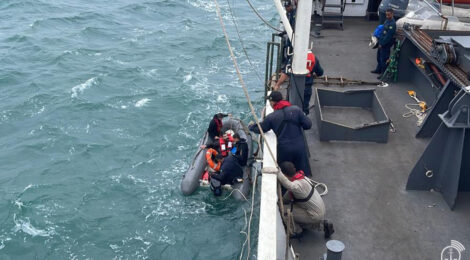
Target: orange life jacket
column 211, row 152
column 310, row 63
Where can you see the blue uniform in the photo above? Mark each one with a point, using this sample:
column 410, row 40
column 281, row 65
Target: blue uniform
column 290, row 142
column 386, row 41
column 229, row 171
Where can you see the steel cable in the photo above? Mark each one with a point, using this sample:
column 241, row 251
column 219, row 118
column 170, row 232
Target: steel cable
column 261, row 17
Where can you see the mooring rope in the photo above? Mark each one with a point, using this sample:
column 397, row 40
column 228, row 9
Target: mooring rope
column 261, row 17
column 240, row 78
column 252, row 110
column 242, row 43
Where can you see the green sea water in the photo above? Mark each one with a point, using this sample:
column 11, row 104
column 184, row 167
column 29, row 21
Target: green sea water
column 102, row 105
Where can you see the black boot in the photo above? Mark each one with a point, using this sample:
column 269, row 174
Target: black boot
column 328, row 228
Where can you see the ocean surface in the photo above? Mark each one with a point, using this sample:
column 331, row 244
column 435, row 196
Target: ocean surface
column 102, row 106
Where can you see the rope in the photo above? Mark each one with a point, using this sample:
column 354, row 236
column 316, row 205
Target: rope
column 242, row 82
column 262, row 19
column 246, row 234
column 242, row 43
column 252, row 110
column 415, row 112
column 251, row 216
column 228, row 196
column 245, row 91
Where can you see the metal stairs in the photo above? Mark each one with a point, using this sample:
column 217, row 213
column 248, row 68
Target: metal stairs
column 332, row 12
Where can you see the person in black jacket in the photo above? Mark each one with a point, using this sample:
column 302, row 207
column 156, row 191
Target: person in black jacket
column 229, row 172
column 215, row 126
column 241, row 148
column 287, row 122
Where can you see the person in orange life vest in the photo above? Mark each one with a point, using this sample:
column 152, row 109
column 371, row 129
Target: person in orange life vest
column 314, row 70
column 222, row 144
column 308, row 208
column 287, row 122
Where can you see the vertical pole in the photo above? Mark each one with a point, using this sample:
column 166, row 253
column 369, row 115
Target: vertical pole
column 296, row 90
column 453, row 7
column 271, row 61
column 284, row 20
column 266, row 74
column 302, row 37
column 301, row 44
column 279, row 59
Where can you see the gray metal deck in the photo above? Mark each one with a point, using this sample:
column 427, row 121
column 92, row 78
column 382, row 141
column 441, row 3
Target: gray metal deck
column 373, row 214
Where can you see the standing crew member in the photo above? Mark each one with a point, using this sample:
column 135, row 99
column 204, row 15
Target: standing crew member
column 308, row 209
column 314, row 70
column 287, row 121
column 385, row 43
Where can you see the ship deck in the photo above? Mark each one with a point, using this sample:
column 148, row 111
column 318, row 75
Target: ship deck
column 374, row 216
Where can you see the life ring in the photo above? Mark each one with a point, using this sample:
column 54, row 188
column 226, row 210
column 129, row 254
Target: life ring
column 212, row 152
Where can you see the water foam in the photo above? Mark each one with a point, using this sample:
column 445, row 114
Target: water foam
column 28, row 187
column 142, row 102
column 26, row 227
column 81, row 87
column 187, row 78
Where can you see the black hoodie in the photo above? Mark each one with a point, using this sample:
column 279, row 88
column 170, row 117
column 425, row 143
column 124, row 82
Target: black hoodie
column 242, row 151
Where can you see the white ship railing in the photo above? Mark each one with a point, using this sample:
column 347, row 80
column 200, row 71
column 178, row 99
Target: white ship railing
column 271, row 235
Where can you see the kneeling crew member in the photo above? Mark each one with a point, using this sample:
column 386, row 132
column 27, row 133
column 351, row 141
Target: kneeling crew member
column 308, row 209
column 287, row 122
column 229, row 172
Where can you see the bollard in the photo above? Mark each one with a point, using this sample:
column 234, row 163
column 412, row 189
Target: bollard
column 334, row 250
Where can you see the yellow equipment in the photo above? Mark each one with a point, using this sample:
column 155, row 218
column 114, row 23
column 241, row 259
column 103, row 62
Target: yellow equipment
column 421, row 104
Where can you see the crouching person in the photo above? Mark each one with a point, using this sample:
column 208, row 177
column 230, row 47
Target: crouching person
column 308, row 209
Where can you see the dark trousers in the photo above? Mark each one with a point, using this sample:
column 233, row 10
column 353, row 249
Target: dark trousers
column 307, row 96
column 295, row 153
column 383, row 54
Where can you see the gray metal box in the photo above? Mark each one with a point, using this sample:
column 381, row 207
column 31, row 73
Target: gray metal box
column 354, row 115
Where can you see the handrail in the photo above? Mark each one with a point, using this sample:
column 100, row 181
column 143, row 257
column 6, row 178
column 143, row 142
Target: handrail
column 267, row 235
